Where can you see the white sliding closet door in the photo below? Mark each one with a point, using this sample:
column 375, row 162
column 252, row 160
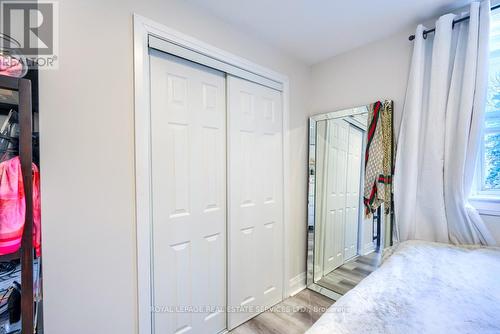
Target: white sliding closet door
column 188, row 189
column 255, row 199
column 337, row 147
column 352, row 202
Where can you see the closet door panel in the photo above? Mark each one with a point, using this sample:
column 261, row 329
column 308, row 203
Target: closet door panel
column 188, row 192
column 243, row 203
column 337, row 147
column 255, row 199
column 353, row 192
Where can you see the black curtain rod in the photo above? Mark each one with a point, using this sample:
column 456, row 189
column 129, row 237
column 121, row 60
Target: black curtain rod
column 465, row 18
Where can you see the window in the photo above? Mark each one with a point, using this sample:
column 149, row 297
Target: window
column 490, row 148
column 488, row 171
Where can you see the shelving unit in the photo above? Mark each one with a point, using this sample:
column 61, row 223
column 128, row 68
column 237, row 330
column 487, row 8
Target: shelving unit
column 26, row 252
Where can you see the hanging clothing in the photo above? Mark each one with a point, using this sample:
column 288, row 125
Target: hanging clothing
column 11, row 66
column 440, row 132
column 13, row 206
column 378, row 158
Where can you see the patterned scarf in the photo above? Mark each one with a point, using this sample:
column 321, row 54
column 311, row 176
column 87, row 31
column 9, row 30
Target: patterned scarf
column 378, row 158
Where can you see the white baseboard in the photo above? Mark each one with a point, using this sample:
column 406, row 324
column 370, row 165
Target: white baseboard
column 297, row 284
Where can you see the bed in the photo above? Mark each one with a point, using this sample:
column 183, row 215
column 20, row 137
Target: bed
column 422, row 288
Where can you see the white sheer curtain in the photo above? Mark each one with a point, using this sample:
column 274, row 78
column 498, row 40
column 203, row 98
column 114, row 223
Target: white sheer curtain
column 440, row 132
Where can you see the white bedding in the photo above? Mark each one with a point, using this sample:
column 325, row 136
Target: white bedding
column 423, row 288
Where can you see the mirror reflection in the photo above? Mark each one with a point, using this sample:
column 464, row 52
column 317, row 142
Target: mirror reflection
column 350, row 195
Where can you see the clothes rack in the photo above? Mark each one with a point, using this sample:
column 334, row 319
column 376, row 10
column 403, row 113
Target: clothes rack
column 25, row 254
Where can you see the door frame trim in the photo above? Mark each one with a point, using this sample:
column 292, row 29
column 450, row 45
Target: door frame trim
column 143, row 28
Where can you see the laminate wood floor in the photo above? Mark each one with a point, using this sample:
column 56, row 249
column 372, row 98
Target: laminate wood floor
column 295, row 315
column 348, row 275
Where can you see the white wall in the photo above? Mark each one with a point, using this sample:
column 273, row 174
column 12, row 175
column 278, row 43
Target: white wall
column 493, row 224
column 366, row 74
column 87, row 157
column 362, row 76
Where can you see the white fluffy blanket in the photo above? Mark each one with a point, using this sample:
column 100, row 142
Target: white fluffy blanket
column 423, row 288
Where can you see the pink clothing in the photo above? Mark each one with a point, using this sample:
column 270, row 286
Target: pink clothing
column 13, row 206
column 11, row 66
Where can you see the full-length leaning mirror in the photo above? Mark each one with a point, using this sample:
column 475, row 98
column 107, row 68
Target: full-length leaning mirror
column 350, row 195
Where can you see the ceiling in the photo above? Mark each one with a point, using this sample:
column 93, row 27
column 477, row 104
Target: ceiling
column 314, row 30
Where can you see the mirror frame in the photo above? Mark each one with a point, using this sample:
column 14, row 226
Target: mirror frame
column 311, row 177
